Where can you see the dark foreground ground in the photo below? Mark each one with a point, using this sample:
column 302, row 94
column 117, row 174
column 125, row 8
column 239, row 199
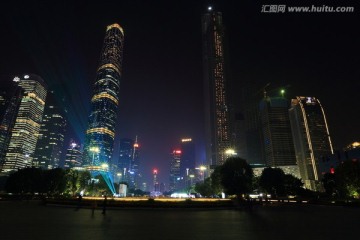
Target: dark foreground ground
column 31, row 220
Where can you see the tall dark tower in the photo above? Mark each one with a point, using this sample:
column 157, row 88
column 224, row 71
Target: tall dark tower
column 100, row 134
column 277, row 137
column 216, row 108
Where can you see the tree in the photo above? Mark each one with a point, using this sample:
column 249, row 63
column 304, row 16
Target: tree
column 204, row 188
column 26, row 180
column 55, row 181
column 72, row 181
column 347, row 178
column 292, row 185
column 272, row 180
column 329, row 184
column 236, row 176
column 215, row 177
column 84, row 179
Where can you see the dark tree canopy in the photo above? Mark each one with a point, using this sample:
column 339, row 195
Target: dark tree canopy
column 236, row 176
column 272, row 181
column 347, row 178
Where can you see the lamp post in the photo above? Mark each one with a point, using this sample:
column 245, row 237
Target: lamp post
column 94, row 150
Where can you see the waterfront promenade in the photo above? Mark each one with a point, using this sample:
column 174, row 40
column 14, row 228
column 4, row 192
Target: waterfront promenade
column 31, row 220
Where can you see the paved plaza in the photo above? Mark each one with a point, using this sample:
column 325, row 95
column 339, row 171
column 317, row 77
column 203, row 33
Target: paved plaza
column 30, row 220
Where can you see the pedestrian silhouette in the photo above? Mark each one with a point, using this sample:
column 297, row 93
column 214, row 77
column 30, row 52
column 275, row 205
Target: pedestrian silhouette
column 104, row 205
column 79, row 202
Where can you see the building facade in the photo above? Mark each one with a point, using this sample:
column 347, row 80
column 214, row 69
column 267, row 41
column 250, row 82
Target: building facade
column 311, row 138
column 9, row 106
column 276, row 131
column 188, row 160
column 216, row 107
column 100, row 134
column 128, row 162
column 24, row 135
column 175, row 177
column 73, row 158
column 50, row 144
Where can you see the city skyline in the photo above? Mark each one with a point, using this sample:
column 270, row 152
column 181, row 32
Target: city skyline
column 314, row 54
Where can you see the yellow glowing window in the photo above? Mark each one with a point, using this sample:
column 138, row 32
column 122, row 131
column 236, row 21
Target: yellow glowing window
column 105, row 95
column 109, row 66
column 101, row 131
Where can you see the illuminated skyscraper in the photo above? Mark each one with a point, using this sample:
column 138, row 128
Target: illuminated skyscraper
column 311, row 138
column 9, row 106
column 155, row 181
column 128, row 164
column 100, row 134
column 24, row 135
column 216, row 107
column 175, row 177
column 51, row 137
column 135, row 175
column 188, row 163
column 73, row 156
column 125, row 157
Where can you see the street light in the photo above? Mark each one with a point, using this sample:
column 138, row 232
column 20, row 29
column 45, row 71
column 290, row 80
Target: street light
column 230, row 153
column 202, row 169
column 94, row 150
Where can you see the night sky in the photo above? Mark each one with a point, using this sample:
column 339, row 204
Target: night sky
column 161, row 99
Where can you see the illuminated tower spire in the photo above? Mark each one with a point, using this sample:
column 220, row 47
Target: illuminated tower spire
column 104, row 102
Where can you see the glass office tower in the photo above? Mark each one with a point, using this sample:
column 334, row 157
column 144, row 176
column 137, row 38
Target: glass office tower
column 24, row 135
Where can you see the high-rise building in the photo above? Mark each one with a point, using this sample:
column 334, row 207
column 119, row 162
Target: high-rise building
column 24, row 135
column 73, row 156
column 126, row 148
column 215, row 93
column 311, row 138
column 9, row 106
column 128, row 163
column 156, row 187
column 100, row 134
column 135, row 175
column 175, row 177
column 188, row 160
column 252, row 129
column 277, row 137
column 51, row 137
